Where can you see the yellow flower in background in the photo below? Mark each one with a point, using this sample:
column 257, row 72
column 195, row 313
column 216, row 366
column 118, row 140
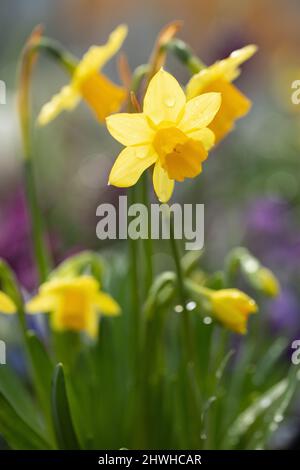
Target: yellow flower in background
column 232, row 308
column 7, row 306
column 218, row 77
column 74, row 304
column 103, row 96
column 267, row 282
column 170, row 134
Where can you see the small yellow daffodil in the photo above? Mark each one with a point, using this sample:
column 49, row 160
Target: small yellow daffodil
column 232, row 308
column 218, row 77
column 7, row 306
column 74, row 304
column 103, row 96
column 170, row 134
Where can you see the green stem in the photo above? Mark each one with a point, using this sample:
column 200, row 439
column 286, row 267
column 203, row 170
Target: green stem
column 58, row 52
column 40, row 248
column 185, row 54
column 182, row 295
column 135, row 300
column 147, row 243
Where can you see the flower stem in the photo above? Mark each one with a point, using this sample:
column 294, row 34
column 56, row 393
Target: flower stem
column 27, row 63
column 182, row 294
column 134, row 271
column 40, row 250
column 147, row 243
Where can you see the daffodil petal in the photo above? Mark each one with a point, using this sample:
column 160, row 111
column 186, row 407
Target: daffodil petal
column 6, row 304
column 164, row 100
column 205, row 135
column 236, row 58
column 200, row 111
column 163, row 185
column 130, row 164
column 66, row 99
column 41, row 303
column 106, row 304
column 130, row 129
column 83, row 283
column 97, row 56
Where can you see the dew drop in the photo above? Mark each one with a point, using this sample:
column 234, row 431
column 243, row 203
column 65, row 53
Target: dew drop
column 170, row 102
column 191, row 305
column 178, row 308
column 207, row 320
column 265, row 403
column 278, row 418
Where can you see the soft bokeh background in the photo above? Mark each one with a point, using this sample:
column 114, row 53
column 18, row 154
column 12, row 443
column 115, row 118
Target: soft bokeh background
column 250, row 184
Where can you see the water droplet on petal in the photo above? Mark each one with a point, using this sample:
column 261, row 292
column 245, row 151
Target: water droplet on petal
column 170, row 102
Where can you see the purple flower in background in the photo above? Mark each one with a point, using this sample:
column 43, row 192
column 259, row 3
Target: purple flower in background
column 284, row 313
column 15, row 244
column 272, row 234
column 267, row 217
column 274, row 237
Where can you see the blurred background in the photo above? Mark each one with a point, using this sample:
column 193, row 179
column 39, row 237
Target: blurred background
column 250, row 184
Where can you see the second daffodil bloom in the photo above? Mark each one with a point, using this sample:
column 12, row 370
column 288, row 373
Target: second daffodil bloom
column 232, row 307
column 74, row 304
column 170, row 134
column 218, row 77
column 7, row 306
column 103, row 96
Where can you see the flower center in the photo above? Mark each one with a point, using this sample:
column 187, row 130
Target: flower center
column 179, row 155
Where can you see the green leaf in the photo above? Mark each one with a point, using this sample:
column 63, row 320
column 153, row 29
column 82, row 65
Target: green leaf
column 18, row 397
column 262, row 414
column 42, row 370
column 16, row 432
column 61, row 413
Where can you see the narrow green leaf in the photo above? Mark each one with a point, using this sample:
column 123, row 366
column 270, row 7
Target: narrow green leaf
column 18, row 397
column 16, row 432
column 42, row 370
column 61, row 413
column 264, row 412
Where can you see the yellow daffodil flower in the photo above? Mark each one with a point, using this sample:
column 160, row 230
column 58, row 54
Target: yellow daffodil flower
column 74, row 304
column 103, row 96
column 170, row 134
column 232, row 308
column 7, row 306
column 218, row 77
